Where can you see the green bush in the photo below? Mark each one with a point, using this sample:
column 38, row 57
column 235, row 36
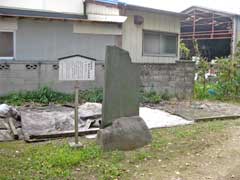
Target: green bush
column 150, row 97
column 46, row 95
column 227, row 86
column 94, row 95
column 43, row 95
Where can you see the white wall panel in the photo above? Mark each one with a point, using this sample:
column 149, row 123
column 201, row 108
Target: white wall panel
column 70, row 6
column 133, row 34
column 8, row 24
column 97, row 28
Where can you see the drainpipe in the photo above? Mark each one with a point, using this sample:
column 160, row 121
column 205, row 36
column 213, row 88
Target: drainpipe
column 85, row 9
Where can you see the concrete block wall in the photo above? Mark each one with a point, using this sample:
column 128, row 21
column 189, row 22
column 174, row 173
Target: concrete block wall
column 31, row 75
column 176, row 79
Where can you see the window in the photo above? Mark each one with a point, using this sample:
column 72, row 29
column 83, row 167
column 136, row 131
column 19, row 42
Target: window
column 159, row 44
column 6, row 45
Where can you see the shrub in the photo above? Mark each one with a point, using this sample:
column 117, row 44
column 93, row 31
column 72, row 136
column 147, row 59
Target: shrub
column 94, row 95
column 44, row 95
column 150, row 97
column 184, row 51
column 227, row 86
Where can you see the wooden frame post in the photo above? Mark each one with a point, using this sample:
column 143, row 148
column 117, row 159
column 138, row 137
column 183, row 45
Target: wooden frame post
column 76, row 112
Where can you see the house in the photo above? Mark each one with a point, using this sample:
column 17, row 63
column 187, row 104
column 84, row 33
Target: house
column 33, row 40
column 217, row 32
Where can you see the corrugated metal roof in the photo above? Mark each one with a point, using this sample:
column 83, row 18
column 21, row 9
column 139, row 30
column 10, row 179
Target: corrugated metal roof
column 115, row 2
column 207, row 9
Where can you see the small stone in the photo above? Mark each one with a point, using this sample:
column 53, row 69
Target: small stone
column 78, row 169
column 187, row 164
column 177, row 172
column 209, row 177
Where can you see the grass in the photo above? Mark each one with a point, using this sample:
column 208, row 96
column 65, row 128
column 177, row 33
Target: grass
column 55, row 160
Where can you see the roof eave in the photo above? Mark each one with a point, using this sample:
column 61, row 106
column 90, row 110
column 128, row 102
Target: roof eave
column 140, row 8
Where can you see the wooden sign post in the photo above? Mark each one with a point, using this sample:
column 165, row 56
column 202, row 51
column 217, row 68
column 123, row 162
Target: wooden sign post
column 76, row 68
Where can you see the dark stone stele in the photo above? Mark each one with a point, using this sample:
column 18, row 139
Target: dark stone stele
column 121, row 128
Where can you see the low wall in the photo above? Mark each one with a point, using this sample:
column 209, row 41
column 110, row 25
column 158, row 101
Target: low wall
column 175, row 78
column 26, row 75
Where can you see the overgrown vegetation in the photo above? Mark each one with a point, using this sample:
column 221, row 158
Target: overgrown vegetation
column 56, row 160
column 226, row 84
column 46, row 95
column 153, row 97
column 227, row 81
column 184, row 51
column 43, row 95
column 94, row 95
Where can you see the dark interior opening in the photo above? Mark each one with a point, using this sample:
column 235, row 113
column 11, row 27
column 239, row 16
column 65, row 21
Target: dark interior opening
column 211, row 48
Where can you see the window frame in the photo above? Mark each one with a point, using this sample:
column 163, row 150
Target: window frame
column 159, row 33
column 14, row 45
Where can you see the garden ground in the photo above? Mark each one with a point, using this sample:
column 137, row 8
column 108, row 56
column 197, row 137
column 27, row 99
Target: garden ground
column 207, row 150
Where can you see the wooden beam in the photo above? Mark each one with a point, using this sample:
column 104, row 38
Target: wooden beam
column 29, row 138
column 13, row 128
column 204, row 119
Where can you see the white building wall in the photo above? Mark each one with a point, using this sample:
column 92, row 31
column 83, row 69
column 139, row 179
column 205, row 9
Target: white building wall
column 68, row 6
column 133, row 34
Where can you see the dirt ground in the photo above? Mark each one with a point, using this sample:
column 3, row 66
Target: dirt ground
column 200, row 109
column 218, row 162
column 201, row 151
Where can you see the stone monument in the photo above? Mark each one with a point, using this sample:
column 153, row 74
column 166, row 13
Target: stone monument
column 121, row 128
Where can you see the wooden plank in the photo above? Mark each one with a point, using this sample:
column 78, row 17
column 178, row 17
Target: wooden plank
column 64, row 134
column 204, row 119
column 13, row 128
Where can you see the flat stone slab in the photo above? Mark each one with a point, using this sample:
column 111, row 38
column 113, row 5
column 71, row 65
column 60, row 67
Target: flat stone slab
column 127, row 133
column 156, row 118
column 201, row 110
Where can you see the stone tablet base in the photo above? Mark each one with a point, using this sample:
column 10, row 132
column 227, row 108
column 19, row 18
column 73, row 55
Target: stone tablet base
column 127, row 133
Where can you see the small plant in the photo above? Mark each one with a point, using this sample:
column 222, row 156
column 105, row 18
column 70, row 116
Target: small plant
column 196, row 48
column 150, row 97
column 237, row 54
column 166, row 96
column 94, row 95
column 185, row 52
column 203, row 68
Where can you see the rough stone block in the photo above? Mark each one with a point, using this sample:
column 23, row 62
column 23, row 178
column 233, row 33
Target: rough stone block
column 127, row 133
